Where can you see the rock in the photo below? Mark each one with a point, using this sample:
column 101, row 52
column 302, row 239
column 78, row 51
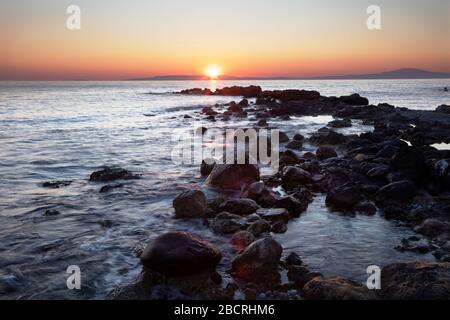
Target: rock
column 253, row 190
column 336, row 288
column 378, row 171
column 258, row 259
column 240, row 206
column 398, row 191
column 243, row 103
column 411, row 162
column 246, row 92
column 343, row 198
column 295, row 145
column 291, row 95
column 197, row 92
column 442, row 171
column 433, row 228
column 180, row 254
column 294, row 176
column 414, row 245
column 279, row 227
column 327, row 137
column 345, row 123
column 354, row 100
column 259, row 227
column 293, row 205
column 298, row 137
column 51, row 212
column 233, row 176
column 300, row 275
column 293, row 259
column 273, row 214
column 56, row 184
column 250, row 294
column 191, row 204
column 227, row 223
column 241, row 240
column 366, row 207
column 416, row 281
column 111, row 174
column 283, row 137
column 262, row 123
column 110, row 187
column 207, row 166
column 443, row 109
column 325, row 152
column 387, row 152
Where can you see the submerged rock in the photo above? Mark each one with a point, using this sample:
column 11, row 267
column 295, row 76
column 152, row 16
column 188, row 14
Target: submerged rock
column 180, row 254
column 336, row 288
column 416, row 281
column 233, row 176
column 258, row 259
column 191, row 204
column 111, row 174
column 56, row 184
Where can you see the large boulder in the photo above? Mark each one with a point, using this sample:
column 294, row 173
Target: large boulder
column 246, row 92
column 233, row 176
column 336, row 288
column 241, row 206
column 354, row 100
column 294, row 176
column 416, row 281
column 443, row 109
column 180, row 254
column 191, row 204
column 260, row 258
column 397, row 191
column 343, row 198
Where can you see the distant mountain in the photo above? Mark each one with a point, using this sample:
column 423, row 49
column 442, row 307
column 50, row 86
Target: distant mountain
column 406, row 73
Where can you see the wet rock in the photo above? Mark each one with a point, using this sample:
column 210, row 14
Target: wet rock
column 56, row 184
column 197, row 92
column 259, row 227
column 345, row 123
column 51, row 213
column 233, row 176
column 442, row 171
column 283, row 137
column 227, row 223
column 292, row 95
column 433, row 228
column 253, row 190
column 250, row 294
column 378, row 171
column 246, row 92
column 443, row 109
column 258, row 259
column 325, row 152
column 180, row 254
column 293, row 259
column 414, row 245
column 110, row 187
column 343, row 198
column 240, row 206
column 416, row 281
column 112, row 173
column 387, row 152
column 207, row 166
column 295, row 145
column 241, row 240
column 191, row 204
column 336, row 288
column 411, row 162
column 279, row 227
column 273, row 214
column 366, row 207
column 298, row 137
column 327, row 137
column 294, row 176
column 262, row 123
column 354, row 100
column 294, row 206
column 398, row 191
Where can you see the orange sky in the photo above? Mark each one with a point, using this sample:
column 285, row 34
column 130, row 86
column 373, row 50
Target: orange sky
column 127, row 39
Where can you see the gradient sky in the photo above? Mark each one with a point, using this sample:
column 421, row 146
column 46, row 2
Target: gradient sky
column 135, row 38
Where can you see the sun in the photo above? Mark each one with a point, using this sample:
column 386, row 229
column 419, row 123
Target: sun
column 213, row 72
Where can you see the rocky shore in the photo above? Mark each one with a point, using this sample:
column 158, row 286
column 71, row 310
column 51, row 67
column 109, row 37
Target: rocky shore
column 393, row 170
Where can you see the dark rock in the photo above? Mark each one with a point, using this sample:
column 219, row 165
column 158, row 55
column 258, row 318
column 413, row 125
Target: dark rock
column 279, row 227
column 294, row 176
column 293, row 259
column 343, row 198
column 240, row 206
column 398, row 191
column 243, row 103
column 378, row 171
column 443, row 109
column 241, row 240
column 260, row 258
column 336, row 288
column 262, row 123
column 354, row 100
column 259, row 227
column 325, row 152
column 283, row 137
column 345, row 123
column 111, row 174
column 327, row 137
column 207, row 166
column 51, row 212
column 366, row 207
column 197, row 91
column 295, row 145
column 227, row 223
column 180, row 254
column 253, row 190
column 273, row 214
column 110, row 187
column 416, row 281
column 246, row 92
column 433, row 228
column 414, row 245
column 56, row 184
column 298, row 137
column 233, row 176
column 191, row 204
column 293, row 205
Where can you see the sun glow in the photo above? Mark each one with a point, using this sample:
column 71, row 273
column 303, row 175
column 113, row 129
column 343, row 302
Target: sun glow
column 213, row 72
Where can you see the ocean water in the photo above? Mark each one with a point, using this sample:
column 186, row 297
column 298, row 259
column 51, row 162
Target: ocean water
column 66, row 130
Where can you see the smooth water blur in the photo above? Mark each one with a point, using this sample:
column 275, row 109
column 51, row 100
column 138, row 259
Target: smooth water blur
column 66, row 130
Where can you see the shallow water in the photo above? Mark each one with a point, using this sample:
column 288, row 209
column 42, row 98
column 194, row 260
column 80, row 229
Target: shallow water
column 65, row 131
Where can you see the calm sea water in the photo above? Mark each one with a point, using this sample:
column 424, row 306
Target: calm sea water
column 66, row 130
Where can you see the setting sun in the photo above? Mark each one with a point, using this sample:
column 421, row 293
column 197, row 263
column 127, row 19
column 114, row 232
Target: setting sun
column 213, row 72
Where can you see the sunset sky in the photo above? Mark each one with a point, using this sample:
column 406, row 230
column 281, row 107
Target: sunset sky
column 137, row 38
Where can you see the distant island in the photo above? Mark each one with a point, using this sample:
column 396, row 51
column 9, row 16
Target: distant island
column 405, row 73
